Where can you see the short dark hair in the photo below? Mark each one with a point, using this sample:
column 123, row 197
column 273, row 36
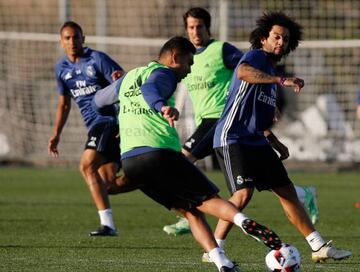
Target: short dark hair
column 71, row 24
column 264, row 25
column 181, row 44
column 198, row 13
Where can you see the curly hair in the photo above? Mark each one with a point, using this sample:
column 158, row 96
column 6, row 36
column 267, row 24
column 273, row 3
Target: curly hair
column 264, row 25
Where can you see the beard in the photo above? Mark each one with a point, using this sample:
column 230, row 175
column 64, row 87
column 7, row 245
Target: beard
column 274, row 57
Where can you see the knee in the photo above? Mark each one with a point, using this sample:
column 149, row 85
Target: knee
column 86, row 169
column 241, row 198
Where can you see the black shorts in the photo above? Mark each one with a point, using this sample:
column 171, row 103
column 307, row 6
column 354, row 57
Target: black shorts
column 246, row 166
column 104, row 138
column 200, row 144
column 169, row 178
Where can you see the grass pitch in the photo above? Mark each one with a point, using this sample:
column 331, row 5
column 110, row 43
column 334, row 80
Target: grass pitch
column 45, row 216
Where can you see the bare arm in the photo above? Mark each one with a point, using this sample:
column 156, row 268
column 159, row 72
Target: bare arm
column 358, row 111
column 62, row 113
column 252, row 75
column 277, row 145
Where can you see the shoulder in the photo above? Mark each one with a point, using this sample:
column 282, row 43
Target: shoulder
column 254, row 56
column 61, row 65
column 95, row 54
column 163, row 75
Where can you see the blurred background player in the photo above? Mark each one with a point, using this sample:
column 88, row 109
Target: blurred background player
column 79, row 75
column 245, row 156
column 357, row 204
column 151, row 151
column 207, row 84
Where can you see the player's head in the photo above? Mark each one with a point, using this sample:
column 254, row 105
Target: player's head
column 177, row 54
column 276, row 33
column 197, row 22
column 72, row 39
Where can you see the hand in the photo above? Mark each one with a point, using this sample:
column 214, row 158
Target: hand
column 52, row 146
column 295, row 82
column 278, row 146
column 171, row 114
column 358, row 111
column 117, row 74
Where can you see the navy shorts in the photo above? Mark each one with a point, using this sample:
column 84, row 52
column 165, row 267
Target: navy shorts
column 104, row 138
column 169, row 178
column 200, row 144
column 247, row 166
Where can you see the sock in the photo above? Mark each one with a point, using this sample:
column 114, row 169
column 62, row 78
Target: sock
column 219, row 258
column 239, row 218
column 315, row 241
column 106, row 218
column 220, row 242
column 300, row 191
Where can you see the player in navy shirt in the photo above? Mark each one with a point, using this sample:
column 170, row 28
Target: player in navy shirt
column 79, row 75
column 245, row 155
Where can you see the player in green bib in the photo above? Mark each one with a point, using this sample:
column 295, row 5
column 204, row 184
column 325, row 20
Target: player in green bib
column 151, row 151
column 207, row 85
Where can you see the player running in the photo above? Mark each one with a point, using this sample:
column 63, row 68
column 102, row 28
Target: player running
column 207, row 84
column 79, row 75
column 246, row 158
column 151, row 150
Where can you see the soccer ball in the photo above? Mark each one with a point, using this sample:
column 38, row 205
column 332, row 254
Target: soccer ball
column 285, row 259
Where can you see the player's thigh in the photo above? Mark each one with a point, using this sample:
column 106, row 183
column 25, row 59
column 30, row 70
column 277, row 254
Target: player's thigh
column 200, row 143
column 235, row 168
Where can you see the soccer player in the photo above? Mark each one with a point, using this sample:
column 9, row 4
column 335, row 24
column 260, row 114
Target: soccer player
column 207, row 84
column 151, row 151
column 79, row 75
column 246, row 158
column 357, row 204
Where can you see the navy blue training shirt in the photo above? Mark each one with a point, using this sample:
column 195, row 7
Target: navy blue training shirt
column 249, row 108
column 82, row 79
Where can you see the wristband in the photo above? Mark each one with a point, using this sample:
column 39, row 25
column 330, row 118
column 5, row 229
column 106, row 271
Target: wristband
column 282, row 80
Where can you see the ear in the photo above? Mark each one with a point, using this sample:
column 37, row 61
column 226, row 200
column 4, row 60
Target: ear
column 263, row 40
column 174, row 57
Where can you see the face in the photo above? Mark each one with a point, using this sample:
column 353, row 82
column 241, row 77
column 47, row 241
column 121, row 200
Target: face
column 197, row 32
column 72, row 41
column 182, row 65
column 277, row 42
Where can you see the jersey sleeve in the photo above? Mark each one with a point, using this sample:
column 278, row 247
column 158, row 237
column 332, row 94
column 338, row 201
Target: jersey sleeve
column 106, row 65
column 255, row 58
column 231, row 55
column 61, row 86
column 159, row 87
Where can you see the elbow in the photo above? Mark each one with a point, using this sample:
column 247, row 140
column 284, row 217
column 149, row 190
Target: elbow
column 241, row 73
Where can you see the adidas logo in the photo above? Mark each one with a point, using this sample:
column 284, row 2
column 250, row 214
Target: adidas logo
column 92, row 142
column 68, row 76
column 189, row 143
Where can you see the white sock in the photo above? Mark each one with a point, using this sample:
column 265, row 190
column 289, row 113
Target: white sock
column 300, row 193
column 239, row 218
column 106, row 218
column 220, row 242
column 219, row 258
column 315, row 241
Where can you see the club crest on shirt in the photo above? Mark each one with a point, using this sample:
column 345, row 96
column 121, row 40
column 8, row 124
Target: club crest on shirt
column 90, row 71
